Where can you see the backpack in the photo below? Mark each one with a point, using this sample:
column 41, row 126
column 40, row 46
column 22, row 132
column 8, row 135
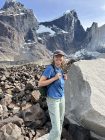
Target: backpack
column 43, row 89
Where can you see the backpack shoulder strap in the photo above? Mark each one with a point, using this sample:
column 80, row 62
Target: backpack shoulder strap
column 53, row 68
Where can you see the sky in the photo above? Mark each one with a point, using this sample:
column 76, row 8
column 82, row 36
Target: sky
column 88, row 11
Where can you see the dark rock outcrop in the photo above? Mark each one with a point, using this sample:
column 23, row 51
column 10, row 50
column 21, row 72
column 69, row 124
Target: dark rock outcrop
column 19, row 17
column 84, row 92
column 69, row 33
column 18, row 39
column 95, row 38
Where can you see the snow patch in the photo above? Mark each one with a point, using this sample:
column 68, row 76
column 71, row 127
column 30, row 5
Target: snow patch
column 16, row 14
column 64, row 32
column 29, row 43
column 86, row 54
column 1, row 11
column 39, row 38
column 8, row 1
column 19, row 14
column 22, row 13
column 44, row 29
column 67, row 12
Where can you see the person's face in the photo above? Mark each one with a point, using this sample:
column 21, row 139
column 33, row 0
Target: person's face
column 58, row 59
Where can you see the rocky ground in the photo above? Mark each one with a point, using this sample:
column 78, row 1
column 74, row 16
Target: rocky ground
column 23, row 117
column 20, row 111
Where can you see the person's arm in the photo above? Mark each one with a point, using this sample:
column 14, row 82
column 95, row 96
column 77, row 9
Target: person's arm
column 44, row 81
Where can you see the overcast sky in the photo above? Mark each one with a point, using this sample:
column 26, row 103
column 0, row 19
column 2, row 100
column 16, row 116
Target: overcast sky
column 87, row 10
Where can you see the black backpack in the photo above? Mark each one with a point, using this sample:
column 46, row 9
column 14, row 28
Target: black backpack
column 43, row 89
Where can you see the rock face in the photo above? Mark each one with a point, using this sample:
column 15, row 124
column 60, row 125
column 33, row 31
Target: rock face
column 85, row 95
column 10, row 1
column 22, row 19
column 10, row 131
column 95, row 38
column 69, row 33
column 18, row 39
column 8, row 41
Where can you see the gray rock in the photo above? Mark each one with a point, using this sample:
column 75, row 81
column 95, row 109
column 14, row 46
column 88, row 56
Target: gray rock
column 44, row 137
column 1, row 91
column 33, row 113
column 8, row 39
column 35, row 96
column 84, row 92
column 3, row 78
column 7, row 100
column 17, row 89
column 1, row 110
column 94, row 40
column 10, row 131
column 16, row 11
column 15, row 119
column 29, row 86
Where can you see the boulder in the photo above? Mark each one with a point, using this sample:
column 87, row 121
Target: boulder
column 34, row 114
column 85, row 95
column 44, row 137
column 35, row 95
column 10, row 132
column 15, row 119
column 7, row 100
column 29, row 86
column 1, row 110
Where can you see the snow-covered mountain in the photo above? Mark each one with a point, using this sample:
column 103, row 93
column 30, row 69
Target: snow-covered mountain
column 23, row 37
column 69, row 33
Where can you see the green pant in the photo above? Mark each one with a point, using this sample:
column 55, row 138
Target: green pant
column 56, row 109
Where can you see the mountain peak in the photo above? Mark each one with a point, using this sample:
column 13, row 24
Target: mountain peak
column 11, row 3
column 95, row 24
column 72, row 13
column 67, row 12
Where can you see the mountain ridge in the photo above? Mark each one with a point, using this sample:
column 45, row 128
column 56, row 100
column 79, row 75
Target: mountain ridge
column 65, row 33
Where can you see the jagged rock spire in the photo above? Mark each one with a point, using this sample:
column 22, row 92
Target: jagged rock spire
column 10, row 1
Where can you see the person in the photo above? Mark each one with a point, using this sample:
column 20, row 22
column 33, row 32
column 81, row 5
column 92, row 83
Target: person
column 55, row 93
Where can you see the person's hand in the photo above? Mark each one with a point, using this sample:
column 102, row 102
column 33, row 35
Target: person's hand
column 65, row 76
column 58, row 76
